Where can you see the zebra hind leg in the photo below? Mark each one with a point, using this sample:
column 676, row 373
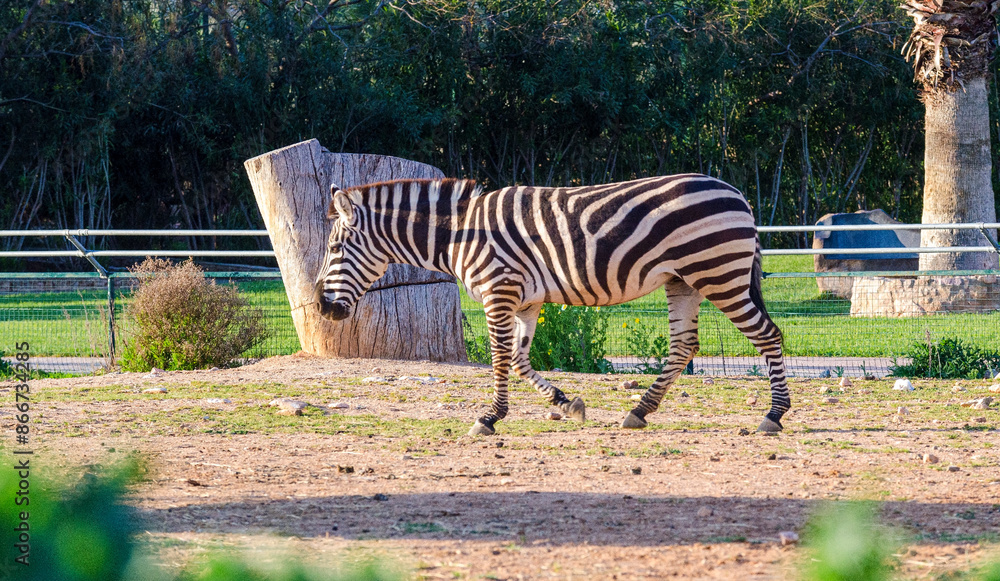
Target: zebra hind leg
column 500, row 324
column 525, row 331
column 682, row 305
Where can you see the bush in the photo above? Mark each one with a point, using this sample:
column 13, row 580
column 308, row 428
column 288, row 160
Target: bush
column 177, row 319
column 571, row 339
column 75, row 533
column 651, row 352
column 847, row 544
column 947, row 359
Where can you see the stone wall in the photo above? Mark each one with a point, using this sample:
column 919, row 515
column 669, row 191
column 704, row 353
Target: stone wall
column 915, row 296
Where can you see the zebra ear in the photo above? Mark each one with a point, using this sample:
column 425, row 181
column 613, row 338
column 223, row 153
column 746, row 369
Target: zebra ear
column 340, row 205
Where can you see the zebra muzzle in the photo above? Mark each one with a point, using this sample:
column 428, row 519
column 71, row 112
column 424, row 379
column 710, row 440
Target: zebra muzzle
column 333, row 310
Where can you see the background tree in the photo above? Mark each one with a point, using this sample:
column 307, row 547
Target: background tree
column 951, row 46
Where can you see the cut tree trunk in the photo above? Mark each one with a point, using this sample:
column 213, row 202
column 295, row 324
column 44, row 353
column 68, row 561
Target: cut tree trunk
column 957, row 172
column 410, row 313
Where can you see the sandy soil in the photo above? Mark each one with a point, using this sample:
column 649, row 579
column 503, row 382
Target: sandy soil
column 690, row 497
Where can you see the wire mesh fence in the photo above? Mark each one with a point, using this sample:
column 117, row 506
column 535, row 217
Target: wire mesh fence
column 70, row 330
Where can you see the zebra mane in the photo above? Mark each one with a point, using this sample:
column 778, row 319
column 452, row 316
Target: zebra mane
column 454, row 188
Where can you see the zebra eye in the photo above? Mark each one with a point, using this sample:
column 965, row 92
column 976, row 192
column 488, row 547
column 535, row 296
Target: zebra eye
column 336, row 247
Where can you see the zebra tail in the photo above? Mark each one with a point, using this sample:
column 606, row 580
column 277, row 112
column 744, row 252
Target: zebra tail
column 756, row 275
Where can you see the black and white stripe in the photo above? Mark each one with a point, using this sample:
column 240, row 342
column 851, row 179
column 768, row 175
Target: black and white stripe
column 520, row 247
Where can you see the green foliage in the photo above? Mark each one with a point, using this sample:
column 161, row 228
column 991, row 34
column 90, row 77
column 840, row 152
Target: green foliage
column 846, row 544
column 81, row 532
column 6, row 368
column 477, row 348
column 948, row 358
column 232, row 568
column 179, row 320
column 651, row 352
column 571, row 339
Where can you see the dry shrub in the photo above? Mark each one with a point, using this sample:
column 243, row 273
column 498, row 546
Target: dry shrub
column 178, row 319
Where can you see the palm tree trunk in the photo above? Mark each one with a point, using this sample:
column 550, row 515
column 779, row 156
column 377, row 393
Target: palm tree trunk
column 957, row 174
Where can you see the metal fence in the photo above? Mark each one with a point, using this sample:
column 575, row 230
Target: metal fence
column 73, row 320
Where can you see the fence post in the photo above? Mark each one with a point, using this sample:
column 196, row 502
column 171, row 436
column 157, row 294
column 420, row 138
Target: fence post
column 111, row 318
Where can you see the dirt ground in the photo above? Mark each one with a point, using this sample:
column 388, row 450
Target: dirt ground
column 393, row 474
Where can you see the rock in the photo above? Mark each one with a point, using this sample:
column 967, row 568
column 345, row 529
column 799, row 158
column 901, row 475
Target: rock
column 506, row 481
column 429, row 380
column 380, row 497
column 752, row 400
column 553, row 416
column 997, row 376
column 627, row 384
column 605, row 468
column 983, row 403
column 338, row 405
column 636, row 470
column 375, row 379
column 995, row 388
column 902, row 411
column 825, row 389
column 218, row 400
column 155, row 390
column 705, row 512
column 825, row 373
column 831, row 400
column 863, row 391
column 957, row 388
column 192, row 482
column 744, row 432
column 953, row 468
column 684, row 394
column 870, row 377
column 713, row 458
column 288, row 404
column 902, row 385
column 788, row 538
column 289, row 412
column 845, row 382
column 345, row 469
column 772, row 457
column 637, row 397
column 214, row 369
column 376, row 370
column 708, row 381
column 930, row 459
column 156, row 371
column 980, row 420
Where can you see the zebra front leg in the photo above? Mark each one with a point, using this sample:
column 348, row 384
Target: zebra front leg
column 525, row 331
column 682, row 306
column 500, row 324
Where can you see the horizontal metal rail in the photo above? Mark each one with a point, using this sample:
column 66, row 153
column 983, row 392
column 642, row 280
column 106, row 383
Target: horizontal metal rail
column 867, row 227
column 87, row 232
column 905, row 250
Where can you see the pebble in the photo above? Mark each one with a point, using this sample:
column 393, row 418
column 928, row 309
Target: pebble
column 979, row 420
column 630, row 384
column 553, row 416
column 156, row 370
column 752, row 400
column 684, row 394
column 637, row 397
column 155, row 390
column 429, row 380
column 345, row 469
column 902, row 411
column 788, row 538
column 744, row 432
column 983, row 403
column 708, row 381
column 845, row 382
column 930, row 459
column 218, row 400
column 772, row 457
column 214, row 369
column 824, row 389
column 953, row 468
column 863, row 391
column 957, row 388
column 636, row 470
column 902, row 385
column 831, row 400
column 289, row 412
column 380, row 497
column 705, row 512
column 338, row 405
column 289, row 405
column 995, row 388
column 506, row 481
column 375, row 379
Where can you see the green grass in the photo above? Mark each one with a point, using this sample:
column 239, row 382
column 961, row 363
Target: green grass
column 73, row 324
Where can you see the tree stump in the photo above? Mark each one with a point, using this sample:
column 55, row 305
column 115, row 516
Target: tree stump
column 410, row 313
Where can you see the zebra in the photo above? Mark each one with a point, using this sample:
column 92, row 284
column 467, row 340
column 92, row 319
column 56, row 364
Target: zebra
column 517, row 248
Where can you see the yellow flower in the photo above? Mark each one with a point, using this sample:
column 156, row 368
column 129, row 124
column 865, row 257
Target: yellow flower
column 563, row 308
column 542, row 311
column 637, row 320
column 624, row 325
column 541, row 319
column 598, row 308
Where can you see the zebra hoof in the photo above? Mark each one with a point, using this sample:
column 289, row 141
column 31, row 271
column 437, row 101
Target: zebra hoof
column 481, row 429
column 577, row 410
column 769, row 426
column 633, row 422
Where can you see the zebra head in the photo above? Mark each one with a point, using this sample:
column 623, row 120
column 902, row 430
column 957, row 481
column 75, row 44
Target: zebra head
column 352, row 263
